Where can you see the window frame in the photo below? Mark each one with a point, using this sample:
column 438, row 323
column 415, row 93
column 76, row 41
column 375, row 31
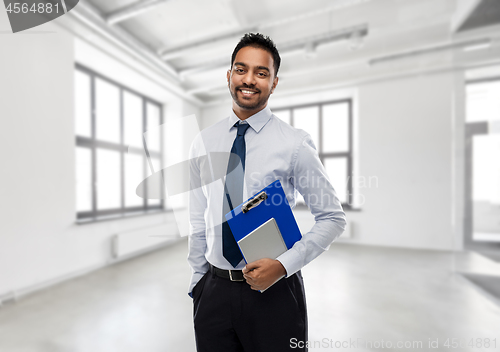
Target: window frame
column 94, row 144
column 471, row 129
column 330, row 155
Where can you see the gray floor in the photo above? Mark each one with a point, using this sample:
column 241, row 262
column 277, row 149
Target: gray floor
column 380, row 295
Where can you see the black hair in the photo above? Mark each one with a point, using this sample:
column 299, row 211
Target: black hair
column 260, row 41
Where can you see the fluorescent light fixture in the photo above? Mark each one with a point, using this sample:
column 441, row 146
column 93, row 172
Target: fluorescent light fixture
column 310, row 51
column 132, row 10
column 429, row 50
column 478, row 46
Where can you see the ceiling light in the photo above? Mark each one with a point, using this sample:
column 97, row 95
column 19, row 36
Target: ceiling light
column 310, row 51
column 429, row 50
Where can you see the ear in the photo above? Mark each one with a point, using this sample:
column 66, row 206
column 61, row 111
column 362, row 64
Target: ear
column 275, row 83
column 228, row 76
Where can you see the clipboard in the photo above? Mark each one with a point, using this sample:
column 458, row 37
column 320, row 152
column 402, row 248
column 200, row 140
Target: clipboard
column 270, row 202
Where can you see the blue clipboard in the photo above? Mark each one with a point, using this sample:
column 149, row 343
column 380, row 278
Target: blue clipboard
column 268, row 203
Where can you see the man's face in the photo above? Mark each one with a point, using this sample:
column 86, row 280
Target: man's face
column 251, row 79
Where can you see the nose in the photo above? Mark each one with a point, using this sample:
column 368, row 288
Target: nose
column 249, row 78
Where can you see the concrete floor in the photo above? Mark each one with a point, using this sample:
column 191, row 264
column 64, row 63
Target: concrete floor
column 381, row 295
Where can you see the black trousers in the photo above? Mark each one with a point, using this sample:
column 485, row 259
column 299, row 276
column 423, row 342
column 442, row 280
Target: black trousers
column 231, row 317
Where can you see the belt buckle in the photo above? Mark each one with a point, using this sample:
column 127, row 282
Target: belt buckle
column 231, row 277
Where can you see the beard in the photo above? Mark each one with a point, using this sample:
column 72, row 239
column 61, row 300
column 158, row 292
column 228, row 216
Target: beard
column 247, row 105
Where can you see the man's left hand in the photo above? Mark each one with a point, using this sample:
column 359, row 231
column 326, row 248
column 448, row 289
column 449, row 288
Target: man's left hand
column 262, row 273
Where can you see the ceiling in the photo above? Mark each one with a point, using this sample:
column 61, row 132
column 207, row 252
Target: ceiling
column 322, row 42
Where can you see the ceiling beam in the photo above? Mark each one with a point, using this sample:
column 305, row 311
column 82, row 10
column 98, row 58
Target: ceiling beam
column 170, row 53
column 132, row 10
column 295, row 46
column 177, row 51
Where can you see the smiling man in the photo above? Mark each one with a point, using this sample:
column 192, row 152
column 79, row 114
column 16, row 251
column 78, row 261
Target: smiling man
column 230, row 314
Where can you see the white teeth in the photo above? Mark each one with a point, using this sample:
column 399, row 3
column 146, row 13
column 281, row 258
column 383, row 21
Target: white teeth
column 247, row 92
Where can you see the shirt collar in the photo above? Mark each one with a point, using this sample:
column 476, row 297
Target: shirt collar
column 256, row 121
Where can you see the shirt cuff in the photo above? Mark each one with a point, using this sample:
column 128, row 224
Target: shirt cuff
column 291, row 261
column 194, row 280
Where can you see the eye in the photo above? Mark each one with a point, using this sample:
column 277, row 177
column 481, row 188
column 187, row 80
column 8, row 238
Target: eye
column 239, row 70
column 262, row 74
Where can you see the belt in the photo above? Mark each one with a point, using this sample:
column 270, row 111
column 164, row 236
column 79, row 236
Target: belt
column 233, row 275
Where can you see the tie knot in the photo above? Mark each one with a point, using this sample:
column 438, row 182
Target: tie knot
column 242, row 128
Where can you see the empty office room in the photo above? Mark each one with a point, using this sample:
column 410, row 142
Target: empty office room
column 189, row 175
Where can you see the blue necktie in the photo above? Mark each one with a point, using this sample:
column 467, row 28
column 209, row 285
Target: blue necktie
column 233, row 189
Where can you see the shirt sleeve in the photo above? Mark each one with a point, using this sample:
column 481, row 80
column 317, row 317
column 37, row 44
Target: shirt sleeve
column 311, row 180
column 197, row 204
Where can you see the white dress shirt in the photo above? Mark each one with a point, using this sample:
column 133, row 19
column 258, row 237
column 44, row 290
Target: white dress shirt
column 274, row 150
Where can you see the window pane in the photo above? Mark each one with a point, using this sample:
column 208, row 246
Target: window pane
column 153, row 202
column 284, row 115
column 155, row 189
column 134, row 175
column 83, row 179
column 335, row 129
column 82, row 105
column 156, row 165
column 108, row 179
column 483, row 101
column 153, row 126
column 299, row 200
column 486, row 169
column 336, row 168
column 307, row 119
column 132, row 116
column 486, row 187
column 107, row 111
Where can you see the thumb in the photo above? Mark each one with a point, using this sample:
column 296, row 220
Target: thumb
column 250, row 267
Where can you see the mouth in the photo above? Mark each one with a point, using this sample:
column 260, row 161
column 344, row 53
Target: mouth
column 247, row 92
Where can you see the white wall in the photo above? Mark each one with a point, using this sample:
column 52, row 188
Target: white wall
column 405, row 140
column 39, row 241
column 408, row 144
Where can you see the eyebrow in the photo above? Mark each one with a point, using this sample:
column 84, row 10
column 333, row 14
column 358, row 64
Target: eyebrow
column 258, row 67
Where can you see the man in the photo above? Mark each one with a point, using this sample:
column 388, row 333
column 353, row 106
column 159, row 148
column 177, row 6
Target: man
column 230, row 314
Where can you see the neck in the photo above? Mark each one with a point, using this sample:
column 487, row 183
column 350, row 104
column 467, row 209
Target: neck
column 244, row 114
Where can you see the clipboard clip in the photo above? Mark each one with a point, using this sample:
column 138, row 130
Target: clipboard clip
column 252, row 203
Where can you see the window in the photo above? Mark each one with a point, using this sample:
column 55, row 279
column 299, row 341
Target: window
column 111, row 154
column 482, row 100
column 330, row 127
column 482, row 171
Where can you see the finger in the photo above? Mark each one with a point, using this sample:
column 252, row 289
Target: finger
column 251, row 266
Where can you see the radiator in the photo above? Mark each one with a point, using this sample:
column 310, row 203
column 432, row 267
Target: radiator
column 128, row 243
